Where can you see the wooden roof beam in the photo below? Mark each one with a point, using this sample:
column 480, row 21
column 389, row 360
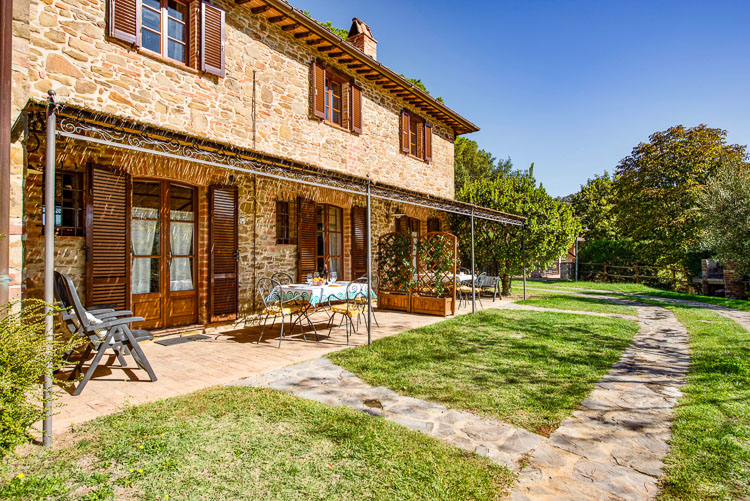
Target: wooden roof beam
column 277, row 19
column 336, row 54
column 346, row 60
column 290, row 27
column 303, row 34
column 314, row 41
column 257, row 10
column 326, row 48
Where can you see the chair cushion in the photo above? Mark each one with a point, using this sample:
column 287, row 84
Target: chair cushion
column 464, row 288
column 351, row 311
column 286, row 310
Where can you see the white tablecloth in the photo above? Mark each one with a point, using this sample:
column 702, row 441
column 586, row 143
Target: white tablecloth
column 318, row 294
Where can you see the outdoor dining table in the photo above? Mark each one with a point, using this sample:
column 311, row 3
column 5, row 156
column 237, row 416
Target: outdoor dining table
column 319, row 294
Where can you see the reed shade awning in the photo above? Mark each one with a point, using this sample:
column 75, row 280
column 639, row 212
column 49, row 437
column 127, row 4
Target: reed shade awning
column 81, row 124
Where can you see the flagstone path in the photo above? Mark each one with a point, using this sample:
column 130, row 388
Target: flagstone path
column 610, row 448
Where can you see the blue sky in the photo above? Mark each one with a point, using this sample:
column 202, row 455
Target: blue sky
column 572, row 86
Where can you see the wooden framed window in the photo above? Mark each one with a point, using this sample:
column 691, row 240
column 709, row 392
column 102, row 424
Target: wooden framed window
column 335, row 98
column 416, row 136
column 330, row 239
column 164, row 28
column 190, row 32
column 334, row 101
column 69, row 204
column 433, row 224
column 284, row 229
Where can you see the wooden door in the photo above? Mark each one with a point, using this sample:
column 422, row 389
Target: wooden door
column 163, row 251
column 360, row 241
column 107, row 239
column 223, row 253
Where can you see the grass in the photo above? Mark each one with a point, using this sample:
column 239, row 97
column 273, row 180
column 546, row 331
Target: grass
column 526, row 368
column 578, row 303
column 710, row 445
column 248, row 443
column 644, row 289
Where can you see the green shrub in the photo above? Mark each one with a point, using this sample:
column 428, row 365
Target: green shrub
column 23, row 363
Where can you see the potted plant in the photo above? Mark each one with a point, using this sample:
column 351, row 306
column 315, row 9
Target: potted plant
column 435, row 288
column 396, row 271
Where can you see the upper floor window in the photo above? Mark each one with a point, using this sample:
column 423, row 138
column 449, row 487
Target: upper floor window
column 335, row 98
column 333, row 101
column 164, row 28
column 173, row 29
column 416, row 136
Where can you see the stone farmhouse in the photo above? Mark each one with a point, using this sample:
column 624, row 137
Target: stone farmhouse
column 201, row 146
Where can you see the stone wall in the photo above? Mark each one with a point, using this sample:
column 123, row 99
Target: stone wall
column 262, row 103
column 259, row 255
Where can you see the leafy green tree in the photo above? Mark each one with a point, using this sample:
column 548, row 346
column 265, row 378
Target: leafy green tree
column 551, row 226
column 725, row 208
column 594, row 205
column 341, row 32
column 471, row 163
column 418, row 83
column 658, row 187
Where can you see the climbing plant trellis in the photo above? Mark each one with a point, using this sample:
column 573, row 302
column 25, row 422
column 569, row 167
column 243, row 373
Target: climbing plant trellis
column 435, row 287
column 395, row 270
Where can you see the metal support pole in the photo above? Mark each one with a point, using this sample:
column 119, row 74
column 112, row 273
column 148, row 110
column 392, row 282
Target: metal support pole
column 576, row 259
column 49, row 261
column 523, row 253
column 369, row 266
column 473, row 267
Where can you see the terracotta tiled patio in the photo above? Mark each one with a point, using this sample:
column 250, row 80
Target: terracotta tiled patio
column 225, row 357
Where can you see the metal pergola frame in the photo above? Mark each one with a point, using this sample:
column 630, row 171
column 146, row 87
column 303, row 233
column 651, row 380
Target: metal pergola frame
column 84, row 125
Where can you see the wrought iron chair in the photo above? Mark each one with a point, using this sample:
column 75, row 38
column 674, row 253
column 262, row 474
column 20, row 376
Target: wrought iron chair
column 282, row 278
column 491, row 285
column 363, row 300
column 465, row 289
column 275, row 306
column 351, row 307
column 110, row 330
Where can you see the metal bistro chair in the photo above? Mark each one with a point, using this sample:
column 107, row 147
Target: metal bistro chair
column 275, row 306
column 491, row 285
column 351, row 307
column 282, row 278
column 465, row 289
column 111, row 330
column 363, row 300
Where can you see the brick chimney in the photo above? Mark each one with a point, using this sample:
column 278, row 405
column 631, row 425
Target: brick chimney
column 360, row 36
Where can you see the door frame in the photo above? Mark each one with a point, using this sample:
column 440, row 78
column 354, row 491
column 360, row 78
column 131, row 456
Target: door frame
column 165, row 293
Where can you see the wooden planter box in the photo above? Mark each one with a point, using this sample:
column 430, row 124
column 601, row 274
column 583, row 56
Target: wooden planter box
column 431, row 305
column 394, row 301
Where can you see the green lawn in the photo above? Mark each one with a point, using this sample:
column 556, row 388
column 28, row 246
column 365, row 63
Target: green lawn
column 578, row 303
column 643, row 289
column 248, row 443
column 710, row 454
column 526, row 368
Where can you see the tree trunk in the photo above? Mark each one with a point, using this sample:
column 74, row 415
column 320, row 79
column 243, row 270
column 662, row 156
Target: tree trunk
column 506, row 285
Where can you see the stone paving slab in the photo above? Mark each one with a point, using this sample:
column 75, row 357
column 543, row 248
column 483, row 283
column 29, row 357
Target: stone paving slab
column 612, row 447
column 325, row 382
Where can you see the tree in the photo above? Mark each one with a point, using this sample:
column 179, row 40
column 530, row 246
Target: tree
column 418, row 84
column 551, row 226
column 725, row 208
column 594, row 205
column 658, row 186
column 471, row 163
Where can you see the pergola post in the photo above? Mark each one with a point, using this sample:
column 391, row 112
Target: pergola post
column 523, row 254
column 473, row 267
column 49, row 260
column 369, row 266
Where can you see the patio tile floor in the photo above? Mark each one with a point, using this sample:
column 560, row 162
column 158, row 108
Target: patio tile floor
column 226, row 357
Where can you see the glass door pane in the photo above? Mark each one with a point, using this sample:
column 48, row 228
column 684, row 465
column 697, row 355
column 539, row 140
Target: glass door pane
column 181, row 238
column 146, row 237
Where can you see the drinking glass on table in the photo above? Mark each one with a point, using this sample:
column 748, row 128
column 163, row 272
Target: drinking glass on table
column 309, row 279
column 334, row 276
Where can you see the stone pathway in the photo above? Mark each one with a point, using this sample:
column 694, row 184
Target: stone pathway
column 613, row 446
column 325, row 382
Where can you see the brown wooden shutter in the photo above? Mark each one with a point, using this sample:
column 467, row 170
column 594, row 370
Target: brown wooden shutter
column 433, row 224
column 212, row 39
column 124, row 20
column 223, row 252
column 402, row 225
column 108, row 239
column 359, row 242
column 428, row 143
column 405, row 131
column 420, row 140
column 307, row 238
column 318, row 89
column 356, row 107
